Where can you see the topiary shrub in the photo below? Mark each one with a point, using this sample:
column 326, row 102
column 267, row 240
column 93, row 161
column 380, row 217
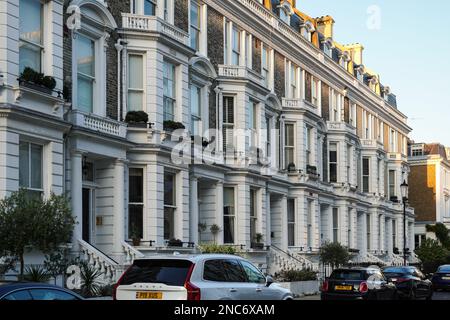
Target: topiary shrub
column 217, row 249
column 173, row 125
column 136, row 117
column 296, row 275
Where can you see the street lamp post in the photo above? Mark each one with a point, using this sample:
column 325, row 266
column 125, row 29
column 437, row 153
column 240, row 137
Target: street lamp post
column 404, row 189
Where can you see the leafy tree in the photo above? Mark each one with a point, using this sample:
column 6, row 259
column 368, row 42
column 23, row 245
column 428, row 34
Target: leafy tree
column 432, row 254
column 334, row 254
column 442, row 234
column 33, row 223
column 56, row 263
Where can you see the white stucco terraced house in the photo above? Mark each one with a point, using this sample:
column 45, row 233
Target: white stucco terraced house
column 328, row 169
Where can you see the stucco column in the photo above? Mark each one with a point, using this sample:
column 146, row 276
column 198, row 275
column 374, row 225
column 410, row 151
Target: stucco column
column 219, row 211
column 382, row 226
column 389, row 243
column 268, row 238
column 76, row 195
column 284, row 223
column 119, row 207
column 194, row 210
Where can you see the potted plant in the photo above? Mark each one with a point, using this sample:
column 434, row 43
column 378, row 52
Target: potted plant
column 137, row 118
column 215, row 229
column 135, row 236
column 175, row 243
column 291, row 167
column 258, row 242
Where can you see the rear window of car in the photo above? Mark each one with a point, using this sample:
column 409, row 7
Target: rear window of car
column 165, row 271
column 224, row 271
column 348, row 275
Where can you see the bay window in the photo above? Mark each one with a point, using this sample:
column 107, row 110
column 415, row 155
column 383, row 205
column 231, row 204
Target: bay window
column 289, row 145
column 308, row 145
column 136, row 203
column 135, row 82
column 291, row 222
column 169, row 205
column 31, row 168
column 196, row 111
column 85, row 59
column 169, row 91
column 31, row 34
column 265, row 64
column 228, row 215
column 392, row 184
column 253, row 123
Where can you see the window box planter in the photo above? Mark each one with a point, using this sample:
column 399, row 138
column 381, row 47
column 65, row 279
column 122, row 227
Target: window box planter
column 175, row 243
column 172, row 126
column 34, row 80
column 137, row 119
column 257, row 246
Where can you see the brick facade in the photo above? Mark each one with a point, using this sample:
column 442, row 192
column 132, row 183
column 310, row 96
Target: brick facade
column 422, row 192
column 215, row 38
column 256, row 59
column 181, row 16
column 325, row 101
column 279, row 76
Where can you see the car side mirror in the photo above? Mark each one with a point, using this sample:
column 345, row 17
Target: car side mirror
column 269, row 281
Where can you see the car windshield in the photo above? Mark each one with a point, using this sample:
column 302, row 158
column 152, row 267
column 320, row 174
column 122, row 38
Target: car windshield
column 444, row 269
column 169, row 272
column 348, row 275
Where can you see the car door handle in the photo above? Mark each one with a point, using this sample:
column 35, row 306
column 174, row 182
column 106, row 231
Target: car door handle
column 233, row 290
column 258, row 290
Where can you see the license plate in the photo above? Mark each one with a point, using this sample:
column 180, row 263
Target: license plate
column 149, row 295
column 343, row 288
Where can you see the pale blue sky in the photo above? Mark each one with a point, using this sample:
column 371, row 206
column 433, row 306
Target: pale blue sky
column 411, row 52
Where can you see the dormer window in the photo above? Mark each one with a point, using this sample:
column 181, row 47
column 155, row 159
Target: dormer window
column 360, row 73
column 328, row 46
column 417, row 150
column 386, row 93
column 286, row 11
column 344, row 59
column 307, row 29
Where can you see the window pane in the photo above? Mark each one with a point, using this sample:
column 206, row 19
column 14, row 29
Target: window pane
column 30, row 25
column 48, row 294
column 135, row 221
column 169, row 189
column 85, row 94
column 234, row 271
column 22, row 295
column 135, row 72
column 253, row 274
column 195, row 100
column 135, row 100
column 149, row 8
column 169, row 223
column 136, row 185
column 36, row 167
column 85, row 56
column 289, row 135
column 228, row 229
column 24, row 165
column 194, row 38
column 29, row 56
column 214, row 271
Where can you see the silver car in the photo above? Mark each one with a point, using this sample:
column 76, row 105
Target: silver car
column 199, row 277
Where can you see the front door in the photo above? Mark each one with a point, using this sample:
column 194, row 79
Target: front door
column 86, row 224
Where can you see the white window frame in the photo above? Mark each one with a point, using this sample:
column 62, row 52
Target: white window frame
column 233, row 215
column 197, row 28
column 174, row 205
column 40, row 190
column 292, row 224
column 140, row 90
column 335, row 224
column 228, row 125
column 366, row 176
column 175, row 88
column 138, row 7
column 335, row 163
column 289, row 147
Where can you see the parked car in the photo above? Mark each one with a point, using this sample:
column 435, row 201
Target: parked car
column 35, row 291
column 441, row 279
column 411, row 283
column 357, row 284
column 200, row 277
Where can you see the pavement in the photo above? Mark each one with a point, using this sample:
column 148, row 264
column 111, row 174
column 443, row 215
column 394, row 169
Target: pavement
column 438, row 296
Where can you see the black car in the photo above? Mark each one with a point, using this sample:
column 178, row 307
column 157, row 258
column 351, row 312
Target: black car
column 441, row 279
column 35, row 291
column 410, row 282
column 358, row 284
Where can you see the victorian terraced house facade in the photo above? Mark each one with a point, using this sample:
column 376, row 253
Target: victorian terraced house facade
column 299, row 143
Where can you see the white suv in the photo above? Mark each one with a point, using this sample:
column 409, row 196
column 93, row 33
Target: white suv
column 200, row 277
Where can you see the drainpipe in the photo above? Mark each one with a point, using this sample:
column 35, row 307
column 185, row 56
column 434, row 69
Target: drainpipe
column 119, row 48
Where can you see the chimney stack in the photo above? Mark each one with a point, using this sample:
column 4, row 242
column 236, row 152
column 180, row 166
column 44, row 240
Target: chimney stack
column 325, row 26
